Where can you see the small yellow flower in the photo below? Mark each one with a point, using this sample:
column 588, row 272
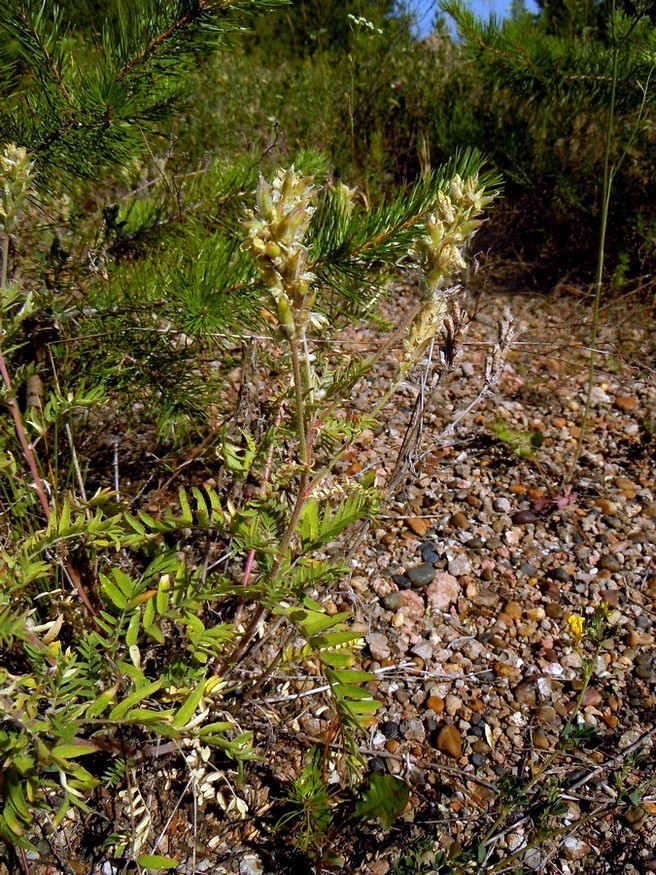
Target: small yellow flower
column 576, row 625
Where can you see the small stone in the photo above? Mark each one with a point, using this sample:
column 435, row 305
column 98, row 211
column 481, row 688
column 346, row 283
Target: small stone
column 419, row 525
column 421, row 575
column 513, row 609
column 389, row 728
column 610, row 563
column 378, row 646
column 625, row 485
column 649, row 510
column 423, row 650
column 477, row 760
column 560, row 575
column 453, row 704
column 443, row 591
column 392, row 601
column 449, row 741
column 429, row 555
column 626, row 403
column 475, row 544
column 606, row 506
column 401, row 581
column 574, row 848
column 459, row 565
column 540, row 740
column 545, row 714
column 392, row 745
column 523, row 517
column 505, row 670
column 612, row 522
column 485, row 598
column 435, row 704
column 459, row 521
column 413, row 729
column 591, row 697
column 493, row 543
column 502, row 505
column 525, row 694
column 646, row 672
column 251, row 865
column 554, row 611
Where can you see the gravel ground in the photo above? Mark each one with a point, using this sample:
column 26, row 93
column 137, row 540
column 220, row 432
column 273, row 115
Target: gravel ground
column 463, row 589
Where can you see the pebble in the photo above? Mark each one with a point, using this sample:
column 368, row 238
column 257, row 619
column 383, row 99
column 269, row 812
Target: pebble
column 475, row 544
column 413, row 729
column 401, row 581
column 389, row 728
column 419, row 525
column 251, row 865
column 449, row 741
column 502, row 505
column 453, row 704
column 485, row 598
column 540, row 740
column 429, row 555
column 610, row 563
column 392, row 601
column 523, row 517
column 545, row 714
column 423, row 650
column 626, row 403
column 378, row 646
column 460, row 565
column 574, row 848
column 443, row 591
column 591, row 697
column 560, row 575
column 459, row 521
column 494, row 543
column 435, row 704
column 421, row 575
column 526, row 694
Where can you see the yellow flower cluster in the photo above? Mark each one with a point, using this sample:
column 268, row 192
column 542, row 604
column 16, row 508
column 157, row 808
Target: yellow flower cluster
column 451, row 224
column 276, row 228
column 576, row 625
column 16, row 174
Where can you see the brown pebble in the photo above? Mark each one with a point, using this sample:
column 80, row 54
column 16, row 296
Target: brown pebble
column 513, row 609
column 525, row 694
column 559, row 422
column 419, row 525
column 626, row 403
column 611, row 596
column 545, row 714
column 392, row 745
column 540, row 740
column 523, row 517
column 517, row 489
column 626, row 486
column 505, row 670
column 435, row 703
column 480, row 746
column 606, row 506
column 449, row 741
column 553, row 611
column 591, row 697
column 459, row 521
column 610, row 720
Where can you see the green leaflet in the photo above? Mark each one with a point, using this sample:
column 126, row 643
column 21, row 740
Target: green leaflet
column 319, row 524
column 383, row 798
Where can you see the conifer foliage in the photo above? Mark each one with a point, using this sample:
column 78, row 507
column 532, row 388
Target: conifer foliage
column 127, row 295
column 82, row 99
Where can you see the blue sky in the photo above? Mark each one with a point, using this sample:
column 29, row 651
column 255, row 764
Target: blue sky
column 425, row 10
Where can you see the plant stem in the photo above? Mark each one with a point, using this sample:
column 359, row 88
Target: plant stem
column 5, row 261
column 607, row 180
